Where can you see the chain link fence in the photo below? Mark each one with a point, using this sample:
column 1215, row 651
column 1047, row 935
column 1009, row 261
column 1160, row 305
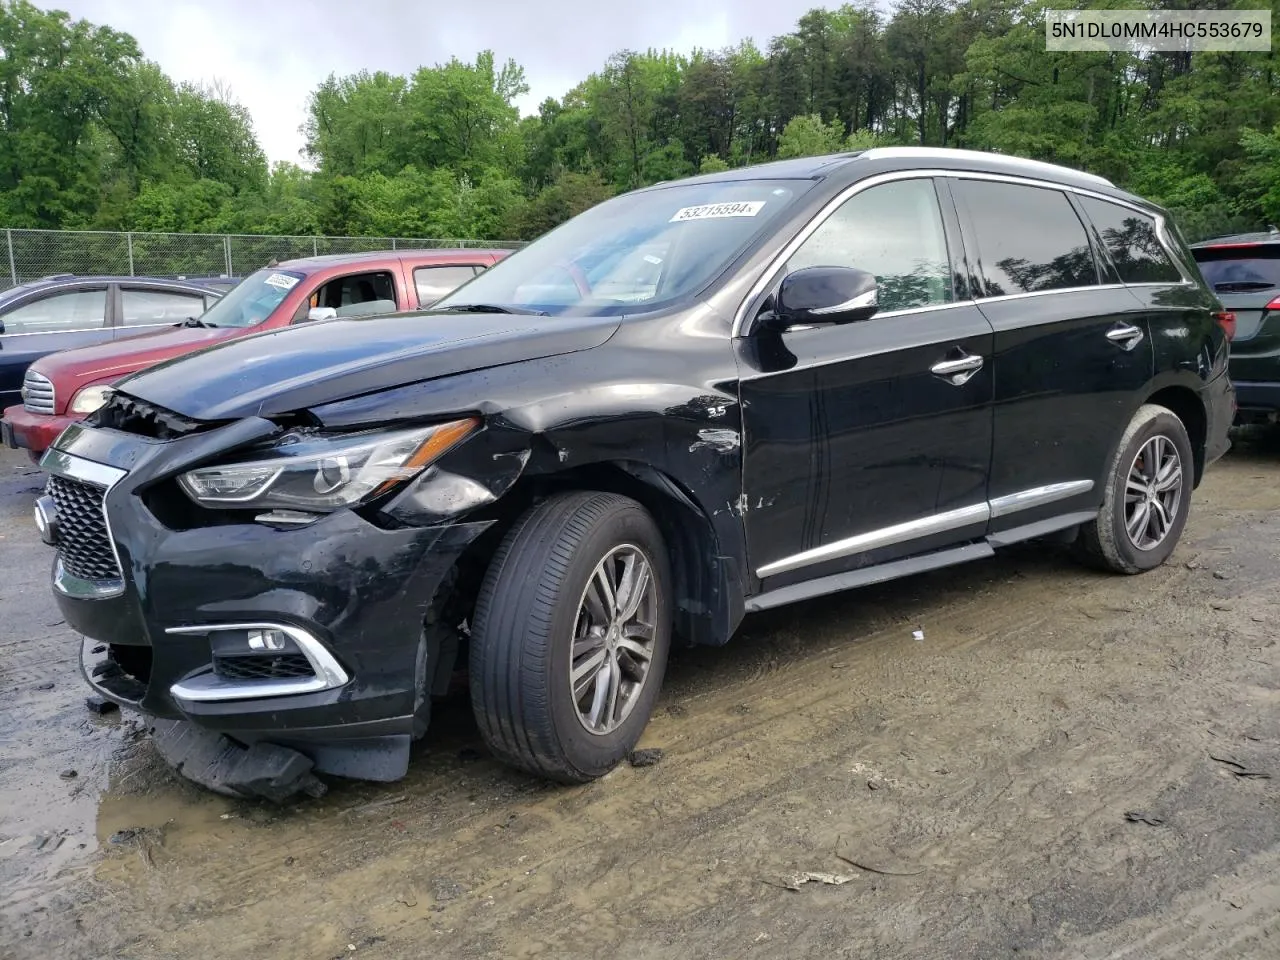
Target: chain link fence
column 32, row 254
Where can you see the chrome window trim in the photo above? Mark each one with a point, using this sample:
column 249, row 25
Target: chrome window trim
column 1000, row 298
column 928, row 526
column 68, row 465
column 208, row 688
column 54, row 333
column 768, row 273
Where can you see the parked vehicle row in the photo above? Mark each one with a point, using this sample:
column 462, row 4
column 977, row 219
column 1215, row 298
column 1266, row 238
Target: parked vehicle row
column 64, row 312
column 62, row 388
column 694, row 401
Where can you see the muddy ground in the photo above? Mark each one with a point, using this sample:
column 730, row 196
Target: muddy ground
column 1068, row 765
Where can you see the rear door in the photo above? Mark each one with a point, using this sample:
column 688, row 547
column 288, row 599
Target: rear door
column 1071, row 351
column 45, row 323
column 1246, row 278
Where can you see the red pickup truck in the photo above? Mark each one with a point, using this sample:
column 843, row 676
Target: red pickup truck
column 62, row 388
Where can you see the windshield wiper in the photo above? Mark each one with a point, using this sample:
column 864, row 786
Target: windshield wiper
column 194, row 322
column 491, row 308
column 1240, row 286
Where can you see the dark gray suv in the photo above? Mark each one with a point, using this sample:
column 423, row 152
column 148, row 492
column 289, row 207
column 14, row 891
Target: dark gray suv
column 1244, row 271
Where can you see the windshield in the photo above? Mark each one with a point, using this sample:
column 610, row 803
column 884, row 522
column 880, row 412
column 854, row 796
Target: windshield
column 1240, row 269
column 252, row 300
column 635, row 252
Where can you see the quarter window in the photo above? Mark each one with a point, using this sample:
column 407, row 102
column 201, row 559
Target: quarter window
column 1132, row 241
column 81, row 310
column 893, row 231
column 1029, row 239
column 140, row 308
column 434, row 283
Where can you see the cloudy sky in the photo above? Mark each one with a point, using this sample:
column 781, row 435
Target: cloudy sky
column 272, row 53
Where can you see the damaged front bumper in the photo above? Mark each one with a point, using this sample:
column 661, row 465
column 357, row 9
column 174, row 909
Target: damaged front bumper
column 279, row 652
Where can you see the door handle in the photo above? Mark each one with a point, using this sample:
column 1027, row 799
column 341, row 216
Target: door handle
column 957, row 372
column 1125, row 337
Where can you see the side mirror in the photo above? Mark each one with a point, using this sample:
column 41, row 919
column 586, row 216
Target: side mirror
column 1, row 326
column 322, row 313
column 825, row 295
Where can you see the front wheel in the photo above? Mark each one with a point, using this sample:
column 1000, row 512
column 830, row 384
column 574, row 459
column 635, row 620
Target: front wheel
column 570, row 637
column 1148, row 495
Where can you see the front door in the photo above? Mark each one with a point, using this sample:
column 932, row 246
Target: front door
column 869, row 441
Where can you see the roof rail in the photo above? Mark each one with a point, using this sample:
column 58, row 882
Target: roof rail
column 942, row 153
column 59, row 276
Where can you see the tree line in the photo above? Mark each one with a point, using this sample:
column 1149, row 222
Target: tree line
column 95, row 136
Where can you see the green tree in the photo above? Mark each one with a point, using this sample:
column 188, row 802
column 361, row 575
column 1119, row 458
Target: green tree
column 808, row 136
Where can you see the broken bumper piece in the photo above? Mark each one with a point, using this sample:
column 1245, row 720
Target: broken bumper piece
column 262, row 771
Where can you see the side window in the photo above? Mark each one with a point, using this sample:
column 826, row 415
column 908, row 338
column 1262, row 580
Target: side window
column 141, row 308
column 1133, row 243
column 81, row 310
column 1029, row 238
column 435, row 283
column 893, row 231
column 356, row 295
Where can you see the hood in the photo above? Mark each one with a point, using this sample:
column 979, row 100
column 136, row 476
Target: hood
column 298, row 367
column 120, row 357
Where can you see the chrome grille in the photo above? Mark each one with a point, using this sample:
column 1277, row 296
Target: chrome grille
column 37, row 393
column 84, row 543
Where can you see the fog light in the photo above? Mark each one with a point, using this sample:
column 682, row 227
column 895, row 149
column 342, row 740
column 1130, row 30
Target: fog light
column 268, row 640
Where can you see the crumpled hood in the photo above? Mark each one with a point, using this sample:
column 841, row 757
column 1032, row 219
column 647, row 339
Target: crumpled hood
column 293, row 368
column 117, row 358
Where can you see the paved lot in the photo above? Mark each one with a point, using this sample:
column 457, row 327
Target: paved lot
column 1053, row 771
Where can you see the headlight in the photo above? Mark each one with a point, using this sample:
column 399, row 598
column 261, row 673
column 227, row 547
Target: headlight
column 317, row 472
column 90, row 399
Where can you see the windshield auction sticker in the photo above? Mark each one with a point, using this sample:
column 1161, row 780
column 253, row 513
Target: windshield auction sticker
column 283, row 281
column 714, row 211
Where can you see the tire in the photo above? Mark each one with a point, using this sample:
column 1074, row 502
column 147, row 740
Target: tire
column 534, row 603
column 1106, row 542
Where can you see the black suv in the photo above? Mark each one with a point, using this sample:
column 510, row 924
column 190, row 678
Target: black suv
column 694, row 401
column 1244, row 271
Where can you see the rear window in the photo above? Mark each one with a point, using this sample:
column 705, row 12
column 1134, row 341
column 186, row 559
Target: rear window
column 1132, row 241
column 1240, row 269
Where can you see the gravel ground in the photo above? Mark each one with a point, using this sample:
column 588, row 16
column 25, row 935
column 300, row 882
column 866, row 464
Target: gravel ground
column 1068, row 765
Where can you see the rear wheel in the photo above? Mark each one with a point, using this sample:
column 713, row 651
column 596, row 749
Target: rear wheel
column 1148, row 495
column 570, row 637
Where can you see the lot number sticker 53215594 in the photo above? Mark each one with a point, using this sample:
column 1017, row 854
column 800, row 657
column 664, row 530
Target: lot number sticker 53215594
column 282, row 280
column 714, row 211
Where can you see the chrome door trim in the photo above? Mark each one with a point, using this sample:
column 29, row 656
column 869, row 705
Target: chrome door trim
column 884, row 537
column 928, row 526
column 1037, row 497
